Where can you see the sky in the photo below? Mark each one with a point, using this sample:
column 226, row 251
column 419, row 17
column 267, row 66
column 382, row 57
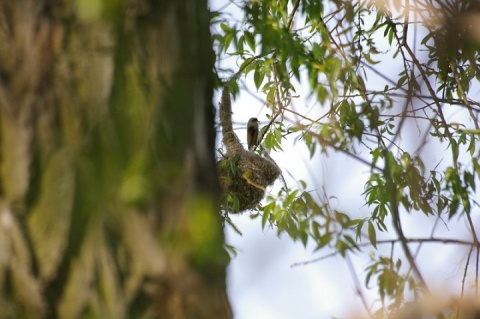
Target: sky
column 262, row 281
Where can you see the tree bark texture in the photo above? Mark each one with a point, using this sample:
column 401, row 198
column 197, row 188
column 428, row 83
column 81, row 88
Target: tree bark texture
column 108, row 185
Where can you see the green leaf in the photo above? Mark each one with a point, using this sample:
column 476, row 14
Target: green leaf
column 240, row 47
column 258, row 77
column 250, row 39
column 233, row 164
column 470, row 131
column 454, row 146
column 304, row 238
column 225, row 27
column 372, row 236
column 290, row 197
column 390, row 35
column 228, row 40
column 358, row 233
column 341, row 247
column 236, row 203
column 401, row 81
column 234, row 227
column 267, row 210
column 232, row 251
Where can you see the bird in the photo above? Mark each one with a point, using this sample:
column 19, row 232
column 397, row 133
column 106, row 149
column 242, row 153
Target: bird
column 252, row 133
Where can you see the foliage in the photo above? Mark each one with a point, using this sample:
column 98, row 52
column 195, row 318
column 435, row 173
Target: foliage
column 339, row 51
column 108, row 190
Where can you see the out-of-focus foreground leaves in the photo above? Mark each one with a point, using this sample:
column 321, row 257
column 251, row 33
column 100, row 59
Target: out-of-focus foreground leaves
column 107, row 180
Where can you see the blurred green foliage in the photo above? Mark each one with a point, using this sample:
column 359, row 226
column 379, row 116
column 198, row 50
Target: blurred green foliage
column 107, row 205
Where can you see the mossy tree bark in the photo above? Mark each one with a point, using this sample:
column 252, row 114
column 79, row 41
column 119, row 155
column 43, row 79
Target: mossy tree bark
column 108, row 185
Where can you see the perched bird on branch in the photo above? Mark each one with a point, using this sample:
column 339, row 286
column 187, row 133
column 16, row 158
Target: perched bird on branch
column 252, row 133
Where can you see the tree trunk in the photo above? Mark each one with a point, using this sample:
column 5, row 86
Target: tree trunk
column 108, row 194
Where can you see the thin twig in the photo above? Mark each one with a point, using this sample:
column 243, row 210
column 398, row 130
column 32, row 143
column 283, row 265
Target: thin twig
column 358, row 286
column 432, row 94
column 292, row 15
column 395, row 241
column 465, row 273
column 304, row 263
column 251, row 60
column 464, row 95
column 476, row 271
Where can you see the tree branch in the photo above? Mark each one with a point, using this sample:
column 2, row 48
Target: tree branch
column 292, row 15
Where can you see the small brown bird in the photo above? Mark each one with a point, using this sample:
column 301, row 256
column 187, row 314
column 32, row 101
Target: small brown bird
column 252, row 133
